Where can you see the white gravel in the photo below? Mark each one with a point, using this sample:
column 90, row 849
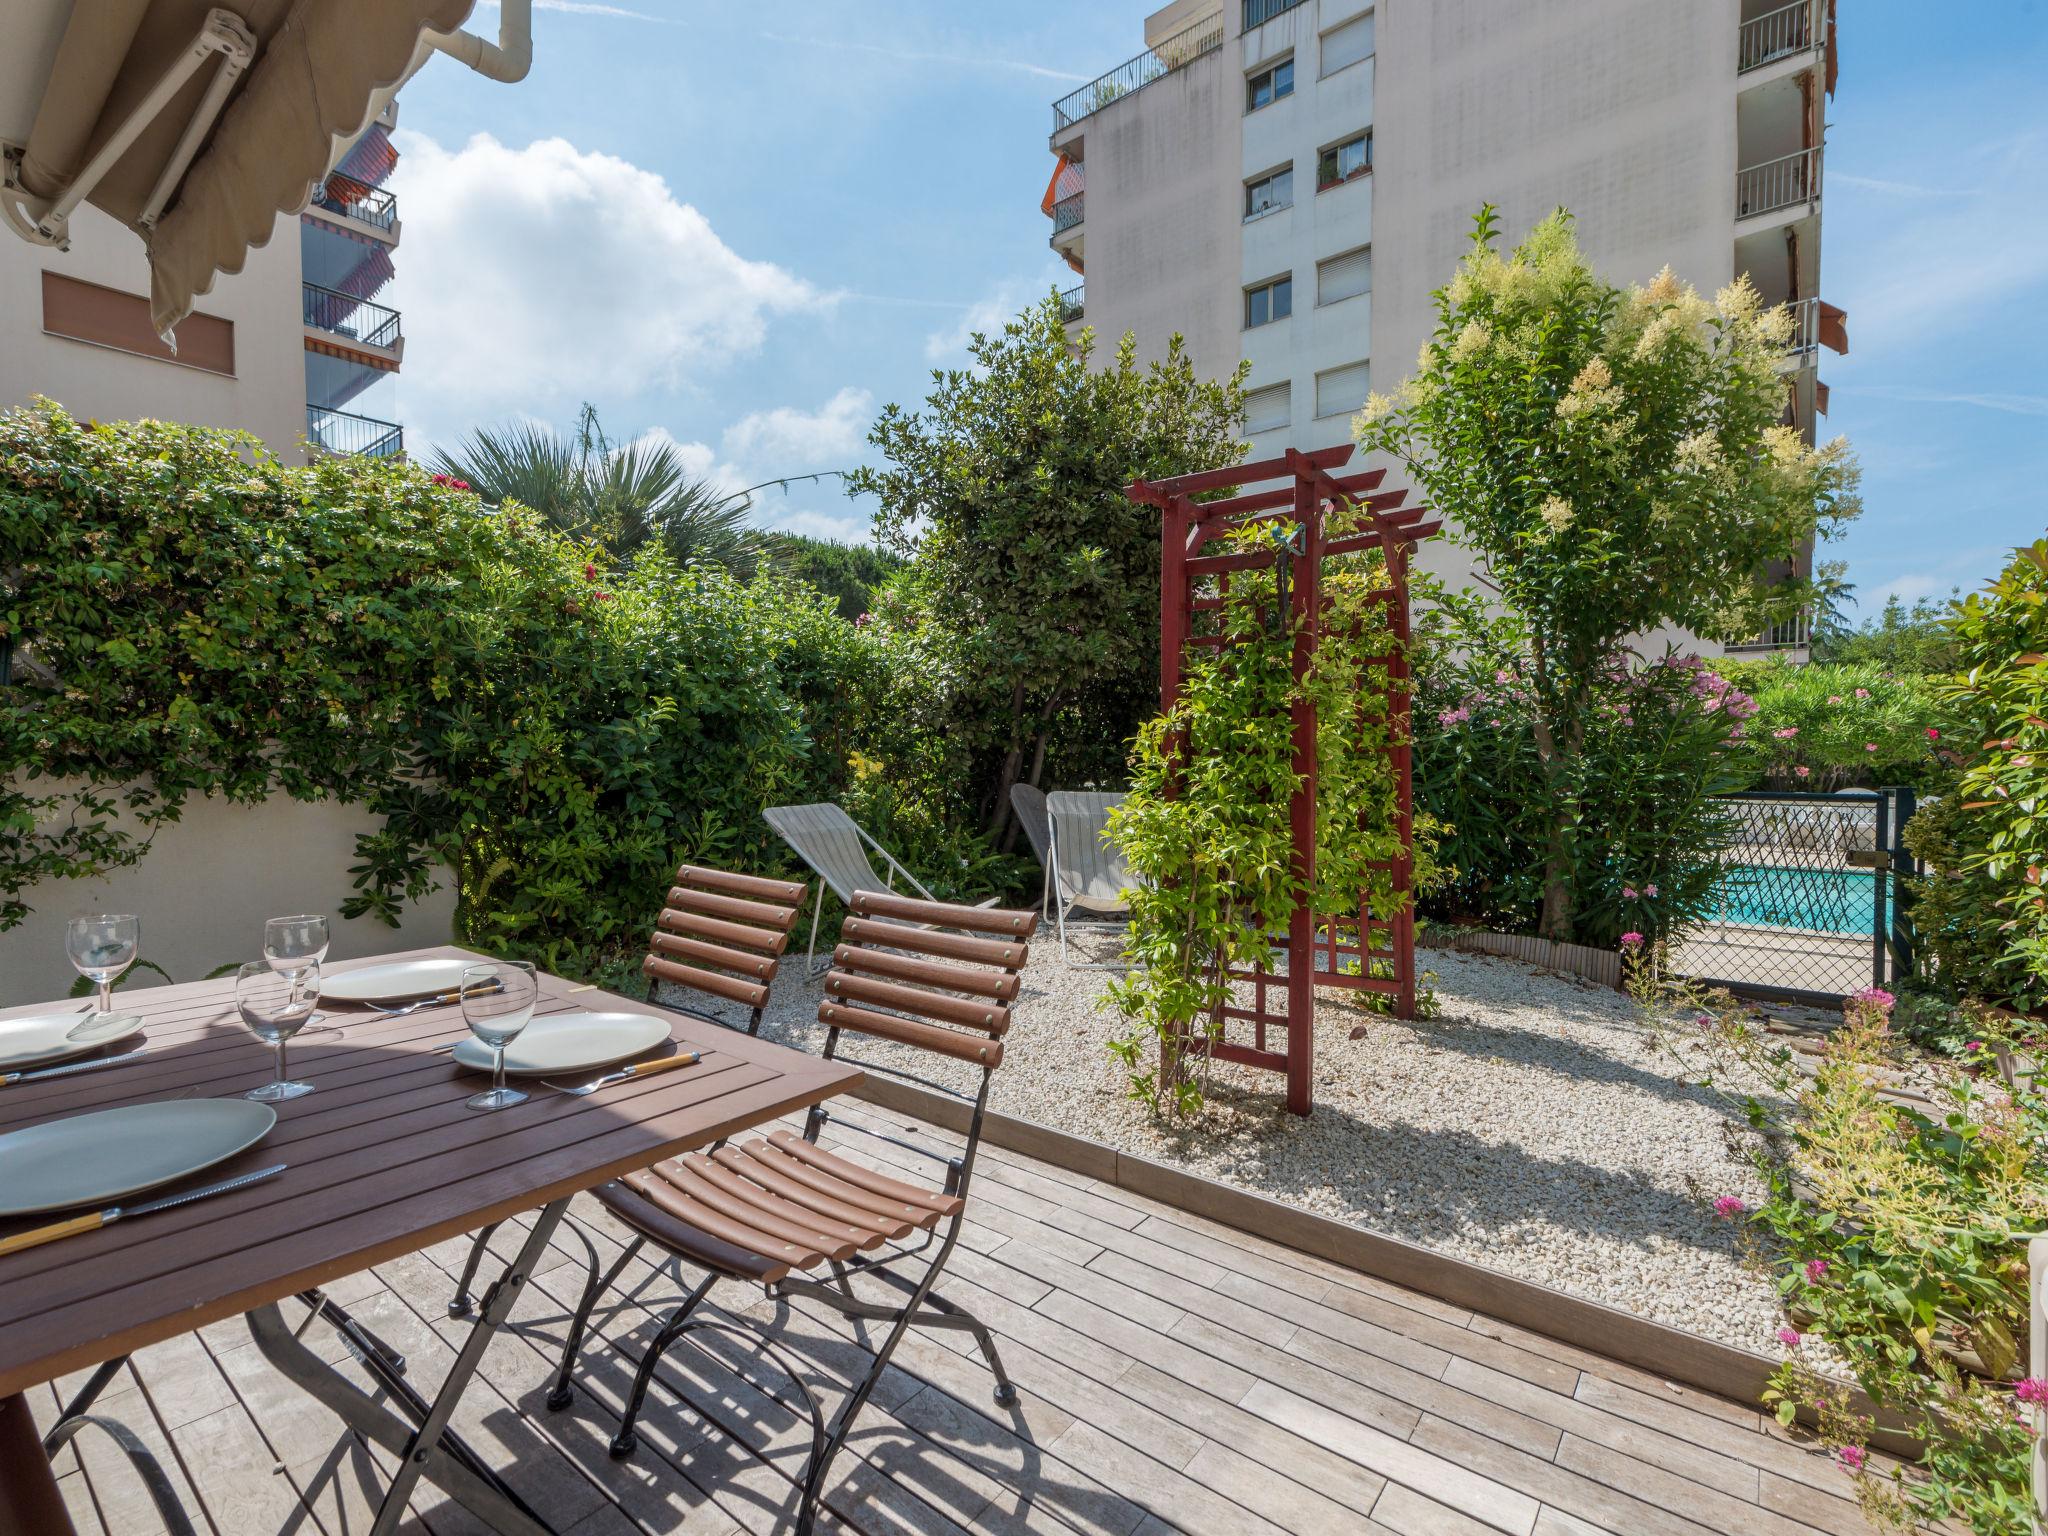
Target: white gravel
column 1532, row 1126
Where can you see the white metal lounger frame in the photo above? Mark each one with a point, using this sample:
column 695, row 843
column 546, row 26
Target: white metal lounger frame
column 1079, row 862
column 807, row 829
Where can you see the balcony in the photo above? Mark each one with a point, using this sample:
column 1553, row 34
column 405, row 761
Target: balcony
column 347, row 433
column 1178, row 51
column 1068, row 227
column 1073, row 303
column 351, row 199
column 1793, row 634
column 352, row 319
column 1774, row 35
column 1258, row 12
column 1786, row 182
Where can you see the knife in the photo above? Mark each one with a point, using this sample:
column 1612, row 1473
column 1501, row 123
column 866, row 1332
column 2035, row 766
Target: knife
column 77, row 1066
column 93, row 1220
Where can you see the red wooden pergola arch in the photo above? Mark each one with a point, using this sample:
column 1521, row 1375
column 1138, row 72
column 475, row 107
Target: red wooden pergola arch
column 1299, row 488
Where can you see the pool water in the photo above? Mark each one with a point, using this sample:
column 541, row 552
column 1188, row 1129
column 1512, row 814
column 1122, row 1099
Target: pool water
column 1823, row 900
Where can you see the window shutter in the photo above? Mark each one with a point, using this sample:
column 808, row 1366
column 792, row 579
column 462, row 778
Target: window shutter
column 1346, row 45
column 1344, row 277
column 1268, row 408
column 1343, row 390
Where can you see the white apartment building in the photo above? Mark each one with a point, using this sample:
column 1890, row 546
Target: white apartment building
column 1286, row 181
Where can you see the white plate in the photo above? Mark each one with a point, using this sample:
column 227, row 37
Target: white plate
column 400, row 982
column 570, row 1042
column 40, row 1042
column 97, row 1158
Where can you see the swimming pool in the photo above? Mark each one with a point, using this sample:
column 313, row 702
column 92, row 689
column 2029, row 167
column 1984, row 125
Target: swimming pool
column 1819, row 900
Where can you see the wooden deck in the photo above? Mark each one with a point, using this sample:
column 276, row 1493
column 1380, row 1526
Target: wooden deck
column 1175, row 1376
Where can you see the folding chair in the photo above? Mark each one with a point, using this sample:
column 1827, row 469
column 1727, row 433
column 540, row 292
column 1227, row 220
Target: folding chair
column 1083, row 870
column 764, row 1209
column 829, row 841
column 1028, row 801
column 719, row 933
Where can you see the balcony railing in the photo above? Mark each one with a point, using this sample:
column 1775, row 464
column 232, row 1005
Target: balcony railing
column 1775, row 35
column 1780, row 183
column 343, row 314
column 351, row 199
column 1178, row 51
column 1073, row 303
column 1259, row 12
column 1069, row 211
column 346, row 432
column 1785, row 635
column 1805, row 338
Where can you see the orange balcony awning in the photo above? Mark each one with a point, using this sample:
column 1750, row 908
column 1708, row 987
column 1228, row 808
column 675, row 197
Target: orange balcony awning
column 1834, row 327
column 1069, row 179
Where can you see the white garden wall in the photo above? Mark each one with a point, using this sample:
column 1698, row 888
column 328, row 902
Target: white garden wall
column 204, row 889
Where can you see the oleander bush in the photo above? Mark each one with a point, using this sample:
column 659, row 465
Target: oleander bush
column 1660, row 742
column 189, row 617
column 1825, row 727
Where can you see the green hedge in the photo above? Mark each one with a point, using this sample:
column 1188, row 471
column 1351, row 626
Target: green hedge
column 190, row 617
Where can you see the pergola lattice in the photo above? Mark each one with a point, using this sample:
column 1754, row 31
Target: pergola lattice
column 1345, row 949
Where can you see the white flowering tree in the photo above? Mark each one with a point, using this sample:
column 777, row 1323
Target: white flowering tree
column 1617, row 460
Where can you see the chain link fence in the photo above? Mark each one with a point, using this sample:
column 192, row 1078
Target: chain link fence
column 1808, row 908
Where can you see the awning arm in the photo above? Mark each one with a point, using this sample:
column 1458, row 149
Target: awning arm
column 42, row 223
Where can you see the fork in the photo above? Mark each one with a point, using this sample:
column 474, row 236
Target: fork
column 638, row 1069
column 441, row 1000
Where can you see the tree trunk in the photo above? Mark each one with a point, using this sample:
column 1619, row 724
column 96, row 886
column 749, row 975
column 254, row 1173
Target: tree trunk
column 1556, row 920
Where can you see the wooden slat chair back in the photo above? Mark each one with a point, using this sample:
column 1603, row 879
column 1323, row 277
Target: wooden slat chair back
column 723, row 934
column 924, row 974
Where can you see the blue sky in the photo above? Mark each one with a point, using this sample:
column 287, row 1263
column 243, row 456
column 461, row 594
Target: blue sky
column 748, row 227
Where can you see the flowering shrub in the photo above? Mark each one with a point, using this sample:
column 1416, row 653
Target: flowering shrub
column 1656, row 751
column 1857, row 725
column 1616, row 461
column 1897, row 1239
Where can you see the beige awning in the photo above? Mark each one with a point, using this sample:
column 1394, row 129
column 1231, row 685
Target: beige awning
column 296, row 76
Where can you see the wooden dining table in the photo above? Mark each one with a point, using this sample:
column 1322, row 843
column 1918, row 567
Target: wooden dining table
column 382, row 1159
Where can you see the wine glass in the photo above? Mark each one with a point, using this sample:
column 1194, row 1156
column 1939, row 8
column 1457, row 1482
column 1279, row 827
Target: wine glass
column 497, row 1003
column 276, row 1007
column 290, row 944
column 101, row 947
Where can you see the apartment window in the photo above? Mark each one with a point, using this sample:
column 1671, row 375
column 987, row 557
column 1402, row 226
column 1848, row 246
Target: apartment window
column 1344, row 162
column 1273, row 190
column 109, row 317
column 1267, row 302
column 1341, row 391
column 1269, row 85
column 1344, row 277
column 1268, row 409
column 1347, row 45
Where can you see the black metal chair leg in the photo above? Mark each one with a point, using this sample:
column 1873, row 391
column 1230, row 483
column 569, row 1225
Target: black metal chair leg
column 461, row 1304
column 625, row 1441
column 1006, row 1390
column 562, row 1393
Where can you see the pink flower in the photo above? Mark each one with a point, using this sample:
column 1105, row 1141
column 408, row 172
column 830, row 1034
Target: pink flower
column 1973, row 1045
column 1802, row 770
column 1787, row 733
column 1862, row 693
column 1631, row 940
column 1503, row 677
column 1728, row 1208
column 1453, row 716
column 1649, row 890
column 1933, row 734
column 2031, row 1389
column 1628, row 893
column 1876, row 997
column 1789, row 1337
column 1834, row 698
column 1870, row 746
column 1852, row 1457
column 1816, row 1271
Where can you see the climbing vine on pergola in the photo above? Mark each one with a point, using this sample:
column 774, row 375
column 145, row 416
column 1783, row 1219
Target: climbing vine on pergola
column 1283, row 609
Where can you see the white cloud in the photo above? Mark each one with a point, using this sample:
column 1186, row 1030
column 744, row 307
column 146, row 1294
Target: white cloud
column 2011, row 404
column 535, row 278
column 787, row 438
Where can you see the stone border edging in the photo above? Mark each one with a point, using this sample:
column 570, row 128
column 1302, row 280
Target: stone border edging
column 1602, row 966
column 1685, row 1358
